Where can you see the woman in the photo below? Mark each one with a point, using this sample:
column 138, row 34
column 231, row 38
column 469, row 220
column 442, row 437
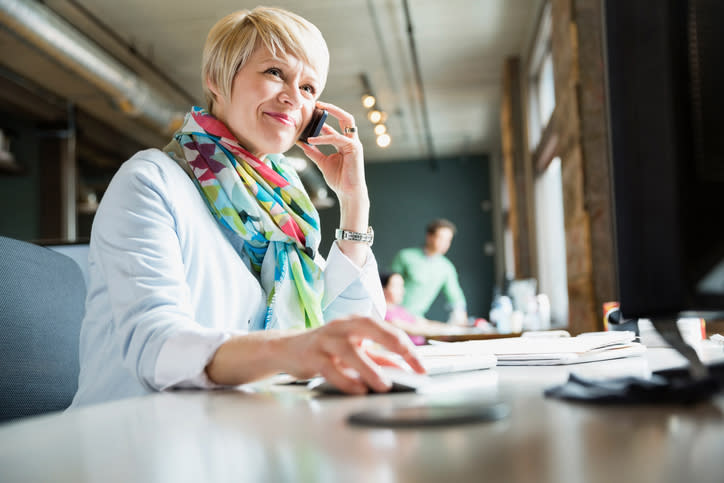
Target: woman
column 203, row 263
column 393, row 288
column 418, row 328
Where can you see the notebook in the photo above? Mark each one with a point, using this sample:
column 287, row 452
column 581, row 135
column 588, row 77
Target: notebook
column 614, row 352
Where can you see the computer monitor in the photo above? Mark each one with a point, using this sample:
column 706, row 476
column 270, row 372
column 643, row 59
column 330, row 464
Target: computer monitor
column 665, row 93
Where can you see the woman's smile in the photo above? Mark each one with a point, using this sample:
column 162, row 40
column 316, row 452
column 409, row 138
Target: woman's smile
column 282, row 118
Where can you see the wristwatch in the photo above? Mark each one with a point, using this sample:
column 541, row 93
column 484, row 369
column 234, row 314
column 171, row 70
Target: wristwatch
column 368, row 238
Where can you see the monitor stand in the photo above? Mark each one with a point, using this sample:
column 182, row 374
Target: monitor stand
column 668, row 329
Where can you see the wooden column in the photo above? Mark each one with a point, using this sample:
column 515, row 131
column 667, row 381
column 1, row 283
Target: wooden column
column 579, row 128
column 518, row 173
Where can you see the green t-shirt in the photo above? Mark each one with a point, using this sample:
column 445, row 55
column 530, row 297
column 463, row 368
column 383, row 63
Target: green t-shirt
column 425, row 277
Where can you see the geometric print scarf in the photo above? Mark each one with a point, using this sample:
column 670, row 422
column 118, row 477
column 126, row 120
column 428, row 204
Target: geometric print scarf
column 267, row 208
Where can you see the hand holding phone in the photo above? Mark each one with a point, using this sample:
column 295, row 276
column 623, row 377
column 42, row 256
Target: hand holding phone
column 315, row 125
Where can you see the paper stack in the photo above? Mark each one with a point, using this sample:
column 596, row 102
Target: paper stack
column 534, row 351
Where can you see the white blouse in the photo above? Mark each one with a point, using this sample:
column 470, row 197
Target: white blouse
column 166, row 286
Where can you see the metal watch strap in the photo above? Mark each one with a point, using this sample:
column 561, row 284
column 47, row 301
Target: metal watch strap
column 368, row 238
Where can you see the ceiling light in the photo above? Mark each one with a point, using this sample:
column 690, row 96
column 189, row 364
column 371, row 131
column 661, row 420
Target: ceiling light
column 384, row 140
column 374, row 116
column 380, row 129
column 368, row 100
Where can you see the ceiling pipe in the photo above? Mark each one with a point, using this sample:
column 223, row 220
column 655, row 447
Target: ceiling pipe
column 49, row 32
column 162, row 74
column 420, row 88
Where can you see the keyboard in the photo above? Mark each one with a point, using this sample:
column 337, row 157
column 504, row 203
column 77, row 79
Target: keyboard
column 437, row 361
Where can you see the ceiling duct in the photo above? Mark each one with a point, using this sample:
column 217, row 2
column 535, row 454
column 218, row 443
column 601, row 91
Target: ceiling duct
column 43, row 28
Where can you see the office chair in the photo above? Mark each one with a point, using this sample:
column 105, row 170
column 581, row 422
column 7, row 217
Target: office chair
column 42, row 302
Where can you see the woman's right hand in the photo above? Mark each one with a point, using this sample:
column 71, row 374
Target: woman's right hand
column 339, row 345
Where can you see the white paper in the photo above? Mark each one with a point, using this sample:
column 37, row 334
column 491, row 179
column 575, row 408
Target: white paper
column 541, row 350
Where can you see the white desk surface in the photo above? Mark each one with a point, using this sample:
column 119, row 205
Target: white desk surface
column 286, row 433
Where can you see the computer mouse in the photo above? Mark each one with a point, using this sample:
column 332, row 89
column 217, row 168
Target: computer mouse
column 402, row 381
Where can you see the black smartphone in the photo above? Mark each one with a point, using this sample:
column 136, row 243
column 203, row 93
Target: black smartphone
column 315, row 125
column 430, row 415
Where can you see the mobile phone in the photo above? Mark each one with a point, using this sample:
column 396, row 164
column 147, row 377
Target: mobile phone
column 430, row 415
column 315, row 125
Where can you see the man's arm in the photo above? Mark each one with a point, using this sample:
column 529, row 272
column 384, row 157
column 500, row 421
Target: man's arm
column 398, row 265
column 453, row 292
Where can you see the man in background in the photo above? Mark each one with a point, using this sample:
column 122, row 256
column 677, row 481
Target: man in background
column 426, row 271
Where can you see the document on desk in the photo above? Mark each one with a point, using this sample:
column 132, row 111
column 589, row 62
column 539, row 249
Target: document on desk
column 535, row 351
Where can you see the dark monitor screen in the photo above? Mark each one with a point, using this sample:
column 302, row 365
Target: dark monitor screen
column 665, row 93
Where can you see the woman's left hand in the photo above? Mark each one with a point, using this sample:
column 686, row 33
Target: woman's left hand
column 344, row 173
column 344, row 170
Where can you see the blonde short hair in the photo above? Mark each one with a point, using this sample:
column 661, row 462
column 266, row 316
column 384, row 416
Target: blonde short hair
column 233, row 39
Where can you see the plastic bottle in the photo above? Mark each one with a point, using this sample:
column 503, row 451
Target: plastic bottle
column 544, row 311
column 501, row 311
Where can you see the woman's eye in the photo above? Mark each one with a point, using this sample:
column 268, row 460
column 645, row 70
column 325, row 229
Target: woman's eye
column 309, row 89
column 274, row 71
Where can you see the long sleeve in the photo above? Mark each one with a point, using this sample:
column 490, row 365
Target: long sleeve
column 350, row 289
column 166, row 286
column 398, row 265
column 138, row 251
column 453, row 291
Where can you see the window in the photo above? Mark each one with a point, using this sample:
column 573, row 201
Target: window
column 551, row 234
column 541, row 85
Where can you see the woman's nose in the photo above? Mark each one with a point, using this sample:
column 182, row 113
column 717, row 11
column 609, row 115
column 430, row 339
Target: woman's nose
column 291, row 95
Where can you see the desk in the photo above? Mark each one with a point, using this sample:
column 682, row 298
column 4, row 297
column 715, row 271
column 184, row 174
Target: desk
column 278, row 433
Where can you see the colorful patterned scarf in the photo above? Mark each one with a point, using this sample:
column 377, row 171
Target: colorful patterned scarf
column 266, row 207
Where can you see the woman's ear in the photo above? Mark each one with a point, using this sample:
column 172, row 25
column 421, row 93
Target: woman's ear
column 217, row 99
column 214, row 89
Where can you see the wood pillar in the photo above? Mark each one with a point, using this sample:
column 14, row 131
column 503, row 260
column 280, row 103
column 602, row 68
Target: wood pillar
column 518, row 173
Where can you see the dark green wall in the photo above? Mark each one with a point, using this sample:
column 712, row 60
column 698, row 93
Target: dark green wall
column 19, row 196
column 406, row 195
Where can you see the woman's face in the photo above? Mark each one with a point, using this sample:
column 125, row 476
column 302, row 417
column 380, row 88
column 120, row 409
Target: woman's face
column 272, row 100
column 395, row 289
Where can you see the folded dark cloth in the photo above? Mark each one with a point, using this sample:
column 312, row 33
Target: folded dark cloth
column 670, row 386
